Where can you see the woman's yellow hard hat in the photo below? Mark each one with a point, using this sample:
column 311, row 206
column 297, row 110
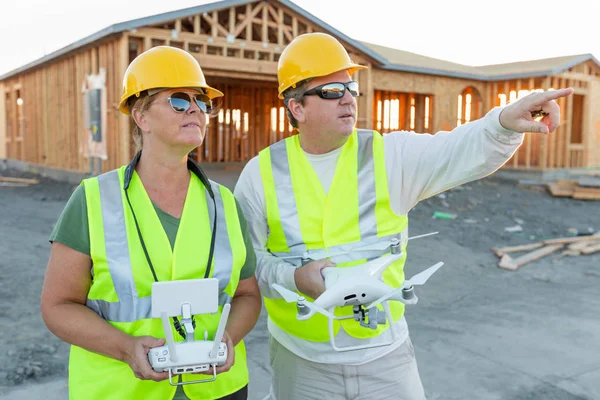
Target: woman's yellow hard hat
column 163, row 67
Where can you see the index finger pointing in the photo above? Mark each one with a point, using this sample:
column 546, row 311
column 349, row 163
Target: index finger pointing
column 554, row 94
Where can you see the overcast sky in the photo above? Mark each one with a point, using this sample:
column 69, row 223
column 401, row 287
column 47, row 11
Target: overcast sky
column 472, row 32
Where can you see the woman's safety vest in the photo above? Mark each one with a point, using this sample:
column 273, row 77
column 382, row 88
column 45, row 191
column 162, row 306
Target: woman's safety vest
column 122, row 281
column 355, row 213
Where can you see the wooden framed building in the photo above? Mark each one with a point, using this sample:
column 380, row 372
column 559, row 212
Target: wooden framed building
column 45, row 106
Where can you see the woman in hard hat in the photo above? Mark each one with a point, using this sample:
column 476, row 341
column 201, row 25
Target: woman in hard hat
column 157, row 219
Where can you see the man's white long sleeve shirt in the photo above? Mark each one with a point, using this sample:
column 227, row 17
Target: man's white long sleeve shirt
column 418, row 166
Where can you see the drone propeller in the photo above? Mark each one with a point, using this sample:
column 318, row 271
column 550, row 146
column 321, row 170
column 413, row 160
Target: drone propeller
column 422, row 277
column 379, row 246
column 293, row 297
column 418, row 279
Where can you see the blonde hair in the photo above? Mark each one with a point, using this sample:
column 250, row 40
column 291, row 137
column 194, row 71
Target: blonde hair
column 142, row 104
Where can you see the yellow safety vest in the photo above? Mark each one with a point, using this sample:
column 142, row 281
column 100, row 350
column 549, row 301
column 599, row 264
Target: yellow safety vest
column 122, row 281
column 303, row 218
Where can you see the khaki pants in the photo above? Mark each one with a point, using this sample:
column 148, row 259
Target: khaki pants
column 393, row 376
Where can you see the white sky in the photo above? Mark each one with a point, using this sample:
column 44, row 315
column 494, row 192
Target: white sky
column 472, row 32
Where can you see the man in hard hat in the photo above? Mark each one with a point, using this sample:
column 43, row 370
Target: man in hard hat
column 333, row 188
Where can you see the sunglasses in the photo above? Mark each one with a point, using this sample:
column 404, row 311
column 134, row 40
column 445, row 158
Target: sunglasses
column 180, row 102
column 334, row 90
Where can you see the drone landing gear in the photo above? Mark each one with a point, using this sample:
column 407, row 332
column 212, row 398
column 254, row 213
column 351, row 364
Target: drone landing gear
column 369, row 318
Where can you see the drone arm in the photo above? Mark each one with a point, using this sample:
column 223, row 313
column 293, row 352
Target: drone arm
column 395, row 294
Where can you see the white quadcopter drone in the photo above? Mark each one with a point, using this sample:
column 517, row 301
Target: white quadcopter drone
column 363, row 288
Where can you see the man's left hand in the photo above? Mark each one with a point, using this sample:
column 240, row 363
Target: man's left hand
column 519, row 116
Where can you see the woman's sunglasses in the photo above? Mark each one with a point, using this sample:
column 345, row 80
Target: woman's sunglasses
column 180, row 102
column 334, row 90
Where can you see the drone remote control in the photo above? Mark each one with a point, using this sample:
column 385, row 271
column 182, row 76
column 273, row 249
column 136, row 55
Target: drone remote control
column 169, row 299
column 191, row 357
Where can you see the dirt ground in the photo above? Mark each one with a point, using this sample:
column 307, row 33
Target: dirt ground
column 31, row 354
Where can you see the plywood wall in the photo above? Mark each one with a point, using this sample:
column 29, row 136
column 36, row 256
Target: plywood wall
column 48, row 128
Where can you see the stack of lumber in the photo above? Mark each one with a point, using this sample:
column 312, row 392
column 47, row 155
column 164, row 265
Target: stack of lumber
column 582, row 189
column 570, row 246
column 10, row 181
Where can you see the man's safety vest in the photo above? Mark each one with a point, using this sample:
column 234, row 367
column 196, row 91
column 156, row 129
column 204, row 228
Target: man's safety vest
column 354, row 213
column 122, row 281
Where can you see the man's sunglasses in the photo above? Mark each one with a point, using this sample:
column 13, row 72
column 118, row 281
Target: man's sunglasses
column 334, row 90
column 180, row 102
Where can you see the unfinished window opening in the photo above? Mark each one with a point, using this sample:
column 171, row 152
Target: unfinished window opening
column 223, row 18
column 256, row 32
column 250, row 54
column 19, row 114
column 394, row 111
column 246, row 123
column 287, row 19
column 8, row 116
column 205, row 28
column 264, row 55
column 240, row 13
column 426, row 122
column 469, row 106
column 272, row 35
column 279, row 124
column 302, row 28
column 412, row 114
column 135, row 47
column 195, row 48
column 187, row 24
column 174, row 43
column 214, row 50
column 233, row 52
column 276, row 57
column 501, row 100
column 157, row 42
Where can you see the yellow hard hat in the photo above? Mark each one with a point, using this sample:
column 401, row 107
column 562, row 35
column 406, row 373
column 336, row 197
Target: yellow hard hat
column 311, row 55
column 163, row 67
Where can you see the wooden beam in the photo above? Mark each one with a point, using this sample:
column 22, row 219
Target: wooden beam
column 569, row 130
column 123, row 133
column 232, row 21
column 294, row 26
column 247, row 22
column 197, row 24
column 265, row 25
column 506, row 262
column 576, row 76
column 512, row 249
column 280, row 28
column 369, row 91
column 544, row 139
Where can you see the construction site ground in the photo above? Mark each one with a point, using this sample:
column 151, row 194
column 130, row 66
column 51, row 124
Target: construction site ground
column 480, row 332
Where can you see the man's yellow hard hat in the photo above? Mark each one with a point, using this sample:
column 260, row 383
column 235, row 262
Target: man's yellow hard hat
column 311, row 55
column 163, row 67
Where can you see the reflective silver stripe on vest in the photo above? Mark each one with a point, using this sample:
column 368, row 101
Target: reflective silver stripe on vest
column 130, row 307
column 367, row 196
column 367, row 199
column 286, row 201
column 223, row 257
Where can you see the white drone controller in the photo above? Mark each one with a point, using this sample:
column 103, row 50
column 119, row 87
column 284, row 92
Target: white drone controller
column 190, row 356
